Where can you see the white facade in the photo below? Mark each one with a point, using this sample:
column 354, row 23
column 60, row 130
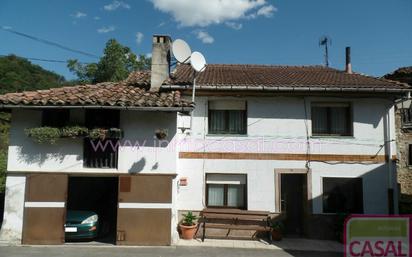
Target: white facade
column 139, row 152
column 281, row 125
column 274, row 125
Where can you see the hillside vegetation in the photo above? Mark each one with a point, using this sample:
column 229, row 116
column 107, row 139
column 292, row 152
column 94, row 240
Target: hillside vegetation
column 403, row 75
column 18, row 74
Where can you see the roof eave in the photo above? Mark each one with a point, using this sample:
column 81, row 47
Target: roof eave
column 132, row 108
column 291, row 89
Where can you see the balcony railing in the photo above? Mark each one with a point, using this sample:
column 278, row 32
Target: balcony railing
column 101, row 154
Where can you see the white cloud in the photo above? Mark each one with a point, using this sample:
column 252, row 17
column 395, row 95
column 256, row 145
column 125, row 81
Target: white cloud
column 106, row 29
column 96, row 18
column 234, row 25
column 79, row 15
column 116, row 5
column 205, row 37
column 267, row 11
column 139, row 37
column 206, row 12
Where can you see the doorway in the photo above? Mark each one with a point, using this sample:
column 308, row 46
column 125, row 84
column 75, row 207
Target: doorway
column 91, row 209
column 293, row 203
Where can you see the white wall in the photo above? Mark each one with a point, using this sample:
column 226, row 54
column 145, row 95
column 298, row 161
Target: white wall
column 67, row 154
column 279, row 125
column 11, row 230
column 146, row 153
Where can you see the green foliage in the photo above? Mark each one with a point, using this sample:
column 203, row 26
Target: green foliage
column 51, row 135
column 97, row 133
column 102, row 133
column 3, row 167
column 44, row 134
column 277, row 225
column 115, row 65
column 4, row 142
column 18, row 74
column 189, row 219
column 74, row 131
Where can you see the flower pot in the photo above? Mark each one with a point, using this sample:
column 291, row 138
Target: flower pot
column 276, row 235
column 188, row 232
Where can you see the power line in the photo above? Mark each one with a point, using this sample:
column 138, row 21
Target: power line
column 41, row 59
column 47, row 42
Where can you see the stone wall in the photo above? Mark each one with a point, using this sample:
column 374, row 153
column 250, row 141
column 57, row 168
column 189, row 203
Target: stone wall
column 404, row 138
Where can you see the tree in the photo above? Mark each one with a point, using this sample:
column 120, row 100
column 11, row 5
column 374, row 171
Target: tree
column 18, row 74
column 116, row 64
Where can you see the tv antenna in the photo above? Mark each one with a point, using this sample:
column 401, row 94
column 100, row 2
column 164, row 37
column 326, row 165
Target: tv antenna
column 326, row 41
column 183, row 54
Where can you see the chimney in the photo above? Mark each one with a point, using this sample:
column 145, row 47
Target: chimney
column 348, row 67
column 160, row 61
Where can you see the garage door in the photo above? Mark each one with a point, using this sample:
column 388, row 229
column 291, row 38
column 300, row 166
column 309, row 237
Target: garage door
column 144, row 210
column 44, row 209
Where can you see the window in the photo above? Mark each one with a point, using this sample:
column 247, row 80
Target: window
column 342, row 195
column 55, row 118
column 406, row 117
column 101, row 153
column 98, row 118
column 331, row 119
column 228, row 117
column 226, row 191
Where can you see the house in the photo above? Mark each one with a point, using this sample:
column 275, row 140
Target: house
column 403, row 119
column 303, row 143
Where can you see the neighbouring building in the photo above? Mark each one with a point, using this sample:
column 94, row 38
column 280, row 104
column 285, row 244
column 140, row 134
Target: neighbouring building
column 302, row 142
column 403, row 120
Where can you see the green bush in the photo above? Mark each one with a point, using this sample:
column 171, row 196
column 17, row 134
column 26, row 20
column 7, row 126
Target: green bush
column 98, row 133
column 102, row 133
column 74, row 131
column 44, row 134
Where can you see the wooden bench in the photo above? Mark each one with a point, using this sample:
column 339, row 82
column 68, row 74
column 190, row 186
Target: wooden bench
column 234, row 219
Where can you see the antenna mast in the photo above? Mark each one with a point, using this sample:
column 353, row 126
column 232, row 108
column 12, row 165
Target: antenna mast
column 326, row 41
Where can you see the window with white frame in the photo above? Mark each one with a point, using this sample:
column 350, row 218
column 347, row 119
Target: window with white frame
column 331, row 119
column 226, row 191
column 227, row 117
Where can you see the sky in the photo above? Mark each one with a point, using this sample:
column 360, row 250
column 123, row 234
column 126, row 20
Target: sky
column 275, row 32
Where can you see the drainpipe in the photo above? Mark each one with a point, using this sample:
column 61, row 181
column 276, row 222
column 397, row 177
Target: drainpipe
column 388, row 156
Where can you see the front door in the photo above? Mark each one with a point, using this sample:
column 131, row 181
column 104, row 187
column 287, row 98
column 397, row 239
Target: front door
column 293, row 201
column 44, row 209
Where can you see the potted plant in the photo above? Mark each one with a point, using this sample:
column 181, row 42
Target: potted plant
column 188, row 225
column 277, row 228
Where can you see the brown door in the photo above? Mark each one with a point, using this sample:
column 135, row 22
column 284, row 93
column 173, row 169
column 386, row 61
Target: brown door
column 44, row 209
column 145, row 210
column 293, row 199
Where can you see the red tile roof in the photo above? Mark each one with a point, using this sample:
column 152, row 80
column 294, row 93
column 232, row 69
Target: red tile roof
column 226, row 76
column 102, row 94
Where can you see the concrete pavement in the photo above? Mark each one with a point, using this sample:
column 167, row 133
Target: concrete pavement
column 174, row 251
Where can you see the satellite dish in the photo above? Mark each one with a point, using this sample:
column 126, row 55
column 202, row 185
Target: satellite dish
column 181, row 51
column 198, row 61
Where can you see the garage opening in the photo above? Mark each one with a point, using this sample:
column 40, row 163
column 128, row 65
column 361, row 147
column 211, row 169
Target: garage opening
column 91, row 210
